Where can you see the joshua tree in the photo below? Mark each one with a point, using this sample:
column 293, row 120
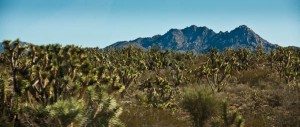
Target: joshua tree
column 216, row 70
column 51, row 83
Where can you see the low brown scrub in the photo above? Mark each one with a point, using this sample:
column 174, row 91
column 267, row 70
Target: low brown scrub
column 265, row 107
column 257, row 77
column 142, row 116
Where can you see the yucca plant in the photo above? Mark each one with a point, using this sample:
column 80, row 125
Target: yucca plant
column 57, row 79
column 228, row 119
column 160, row 93
column 216, row 71
column 127, row 76
column 69, row 112
column 102, row 109
column 287, row 63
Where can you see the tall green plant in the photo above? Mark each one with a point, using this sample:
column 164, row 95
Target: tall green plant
column 201, row 104
column 216, row 71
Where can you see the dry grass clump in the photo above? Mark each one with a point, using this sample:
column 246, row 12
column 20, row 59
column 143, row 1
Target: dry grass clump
column 265, row 107
column 142, row 116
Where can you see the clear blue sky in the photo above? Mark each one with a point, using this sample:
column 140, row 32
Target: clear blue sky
column 90, row 23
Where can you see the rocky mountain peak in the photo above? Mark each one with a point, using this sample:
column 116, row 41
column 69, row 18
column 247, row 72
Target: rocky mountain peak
column 242, row 29
column 201, row 39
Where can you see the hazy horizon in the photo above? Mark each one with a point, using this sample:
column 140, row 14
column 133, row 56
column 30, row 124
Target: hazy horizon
column 101, row 23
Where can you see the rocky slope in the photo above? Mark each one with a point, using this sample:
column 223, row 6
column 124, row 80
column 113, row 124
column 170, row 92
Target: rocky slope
column 200, row 39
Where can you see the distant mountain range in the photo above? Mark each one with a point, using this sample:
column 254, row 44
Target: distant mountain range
column 200, row 39
column 2, row 46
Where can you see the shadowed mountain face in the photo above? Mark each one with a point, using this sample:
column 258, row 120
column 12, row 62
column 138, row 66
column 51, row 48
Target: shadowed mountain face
column 2, row 46
column 200, row 39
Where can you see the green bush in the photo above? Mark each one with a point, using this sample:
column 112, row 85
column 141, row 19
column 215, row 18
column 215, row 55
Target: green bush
column 228, row 119
column 67, row 112
column 201, row 104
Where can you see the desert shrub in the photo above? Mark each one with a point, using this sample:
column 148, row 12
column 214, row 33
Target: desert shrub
column 228, row 118
column 142, row 116
column 253, row 77
column 66, row 112
column 201, row 104
column 264, row 108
